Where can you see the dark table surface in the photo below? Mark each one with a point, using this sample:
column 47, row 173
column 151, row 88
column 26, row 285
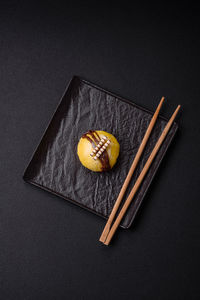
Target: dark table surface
column 49, row 247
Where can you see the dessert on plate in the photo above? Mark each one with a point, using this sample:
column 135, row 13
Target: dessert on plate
column 98, row 150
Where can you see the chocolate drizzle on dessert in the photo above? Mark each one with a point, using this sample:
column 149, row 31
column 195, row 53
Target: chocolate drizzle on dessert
column 85, row 136
column 93, row 137
column 92, row 134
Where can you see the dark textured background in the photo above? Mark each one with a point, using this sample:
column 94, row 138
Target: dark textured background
column 49, row 248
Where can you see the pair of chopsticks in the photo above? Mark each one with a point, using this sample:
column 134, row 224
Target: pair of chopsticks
column 110, row 229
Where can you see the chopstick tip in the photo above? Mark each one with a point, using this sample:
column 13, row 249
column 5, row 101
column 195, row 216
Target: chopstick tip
column 162, row 99
column 160, row 104
column 175, row 113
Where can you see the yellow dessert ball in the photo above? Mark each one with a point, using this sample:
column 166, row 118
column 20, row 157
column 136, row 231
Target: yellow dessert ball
column 98, row 150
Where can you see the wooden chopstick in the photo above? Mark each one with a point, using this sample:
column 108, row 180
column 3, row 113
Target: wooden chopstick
column 130, row 173
column 140, row 178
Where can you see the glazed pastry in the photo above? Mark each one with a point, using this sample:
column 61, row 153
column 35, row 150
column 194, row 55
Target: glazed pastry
column 98, row 150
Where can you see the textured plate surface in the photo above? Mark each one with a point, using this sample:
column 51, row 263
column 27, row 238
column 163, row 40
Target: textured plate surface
column 55, row 165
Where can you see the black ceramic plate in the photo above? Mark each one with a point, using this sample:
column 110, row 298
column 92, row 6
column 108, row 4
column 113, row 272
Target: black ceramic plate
column 56, row 168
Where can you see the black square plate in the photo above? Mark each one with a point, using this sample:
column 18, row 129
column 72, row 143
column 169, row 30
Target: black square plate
column 56, row 168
